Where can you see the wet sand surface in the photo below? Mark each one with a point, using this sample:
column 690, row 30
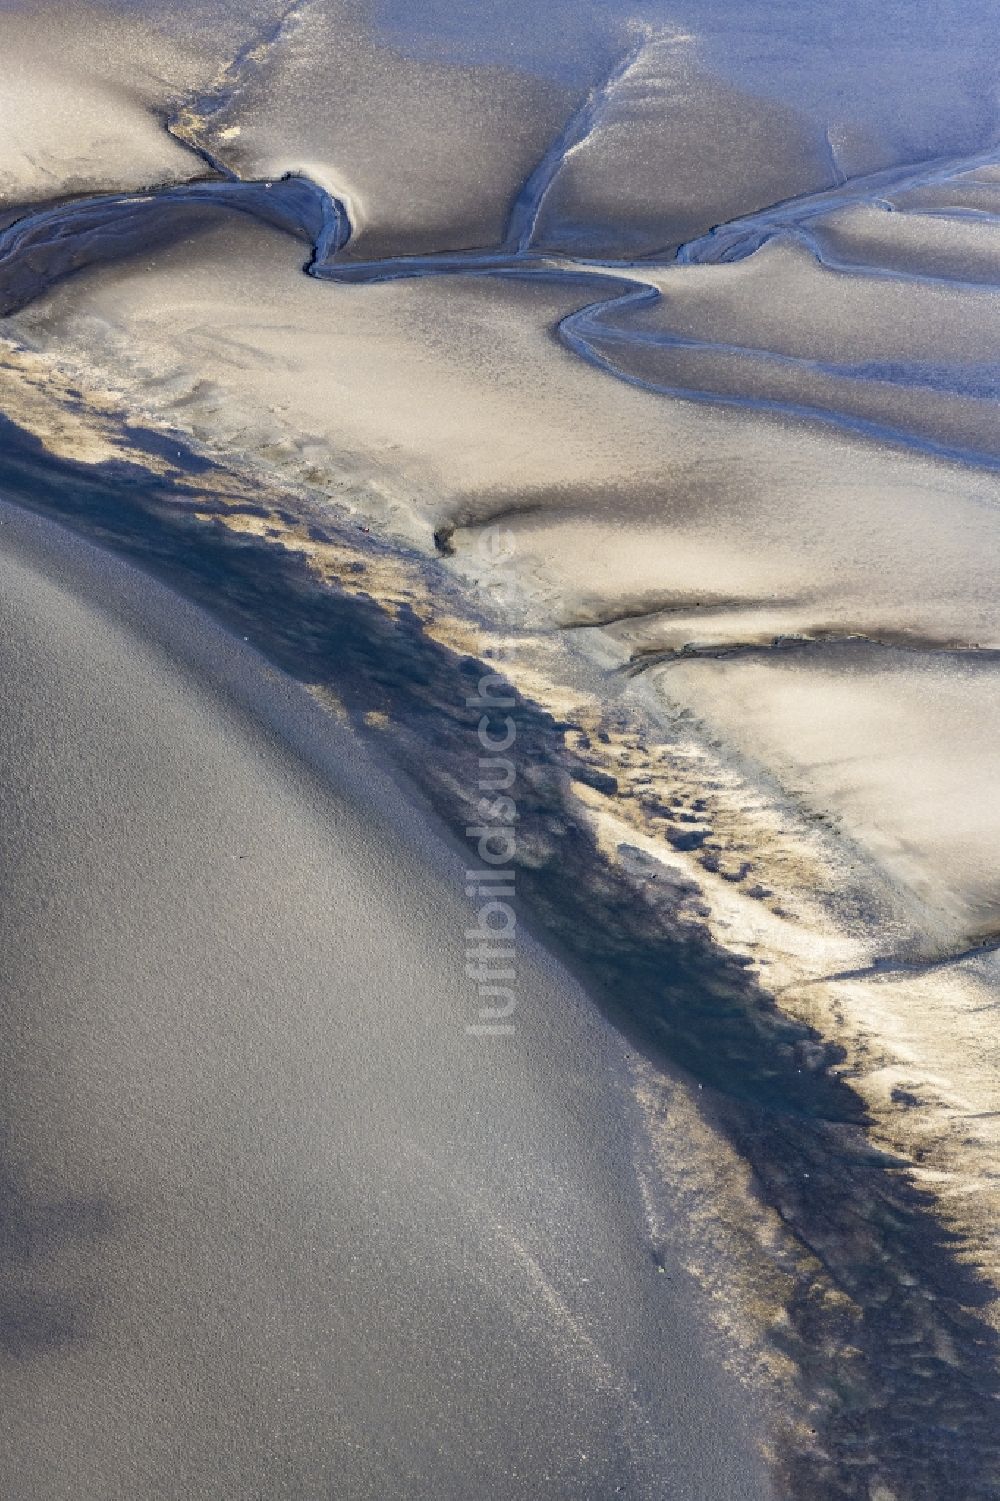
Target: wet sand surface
column 275, row 1224
column 303, row 302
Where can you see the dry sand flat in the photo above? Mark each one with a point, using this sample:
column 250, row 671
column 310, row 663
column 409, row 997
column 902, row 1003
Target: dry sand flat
column 83, row 96
column 275, row 1222
column 329, row 99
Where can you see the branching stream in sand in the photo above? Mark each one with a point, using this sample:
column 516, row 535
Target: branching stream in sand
column 884, row 1318
column 48, row 244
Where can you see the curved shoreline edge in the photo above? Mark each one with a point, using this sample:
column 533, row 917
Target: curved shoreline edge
column 876, row 1287
column 283, row 1221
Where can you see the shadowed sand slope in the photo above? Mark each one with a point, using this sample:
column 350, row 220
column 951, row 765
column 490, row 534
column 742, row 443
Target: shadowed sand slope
column 439, row 404
column 701, row 310
column 280, row 1225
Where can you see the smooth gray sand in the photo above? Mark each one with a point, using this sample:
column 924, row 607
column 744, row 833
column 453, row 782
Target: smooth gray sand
column 275, row 1225
column 699, row 305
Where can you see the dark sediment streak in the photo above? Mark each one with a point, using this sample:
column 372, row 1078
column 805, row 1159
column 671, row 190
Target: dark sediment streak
column 894, row 1405
column 274, row 1224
